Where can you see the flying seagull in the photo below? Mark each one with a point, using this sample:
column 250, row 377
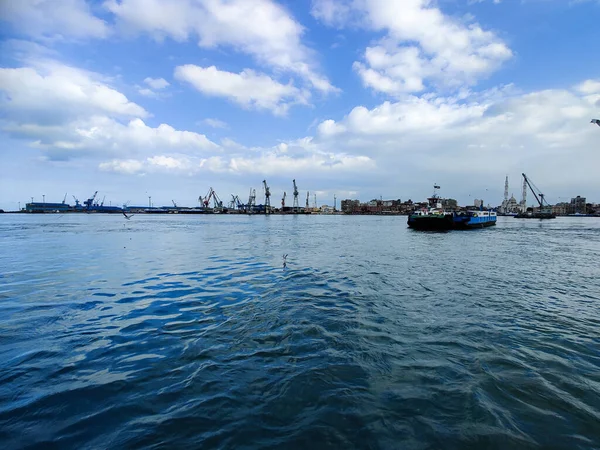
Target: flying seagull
column 127, row 216
column 596, row 121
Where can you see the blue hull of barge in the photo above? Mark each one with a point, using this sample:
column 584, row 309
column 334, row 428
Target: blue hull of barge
column 450, row 221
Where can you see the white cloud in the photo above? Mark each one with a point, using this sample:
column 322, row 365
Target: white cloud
column 156, row 83
column 546, row 134
column 248, row 88
column 332, row 12
column 53, row 18
column 260, row 28
column 589, row 87
column 252, row 162
column 422, row 46
column 147, row 93
column 99, row 136
column 51, row 92
column 126, row 166
column 215, row 123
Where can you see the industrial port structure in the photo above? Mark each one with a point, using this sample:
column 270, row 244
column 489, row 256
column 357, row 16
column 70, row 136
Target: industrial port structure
column 210, row 203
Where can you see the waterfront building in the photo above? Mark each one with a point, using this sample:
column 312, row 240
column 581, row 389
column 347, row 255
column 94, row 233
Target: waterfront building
column 561, row 209
column 578, row 205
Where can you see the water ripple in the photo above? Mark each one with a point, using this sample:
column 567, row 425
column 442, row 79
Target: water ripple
column 372, row 337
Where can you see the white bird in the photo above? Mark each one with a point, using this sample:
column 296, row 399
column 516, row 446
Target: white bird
column 127, row 216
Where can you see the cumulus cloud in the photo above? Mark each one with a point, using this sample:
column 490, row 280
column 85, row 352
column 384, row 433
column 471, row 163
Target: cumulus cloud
column 68, row 112
column 282, row 160
column 101, row 135
column 215, row 123
column 156, row 83
column 480, row 137
column 53, row 18
column 126, row 166
column 261, row 28
column 421, row 46
column 248, row 88
column 50, row 92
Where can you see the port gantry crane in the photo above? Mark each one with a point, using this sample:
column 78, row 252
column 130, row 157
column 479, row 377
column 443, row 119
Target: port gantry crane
column 217, row 202
column 283, row 201
column 267, row 197
column 236, row 203
column 295, row 196
column 251, row 201
column 90, row 201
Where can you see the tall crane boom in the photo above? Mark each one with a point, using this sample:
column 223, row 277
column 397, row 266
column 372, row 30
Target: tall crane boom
column 90, row 201
column 295, row 196
column 283, row 201
column 252, row 198
column 307, row 196
column 538, row 195
column 267, row 197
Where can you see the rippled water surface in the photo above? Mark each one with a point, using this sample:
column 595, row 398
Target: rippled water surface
column 186, row 332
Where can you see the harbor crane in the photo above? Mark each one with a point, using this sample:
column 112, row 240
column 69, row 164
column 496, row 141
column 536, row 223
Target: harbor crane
column 251, row 206
column 236, row 203
column 206, row 200
column 217, row 203
column 545, row 208
column 64, row 199
column 307, row 196
column 174, row 204
column 295, row 196
column 267, row 197
column 90, row 201
column 283, row 201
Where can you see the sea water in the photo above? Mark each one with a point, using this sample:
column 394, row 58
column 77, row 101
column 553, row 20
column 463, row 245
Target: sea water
column 179, row 331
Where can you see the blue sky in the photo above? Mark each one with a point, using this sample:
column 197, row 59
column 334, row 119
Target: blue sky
column 358, row 98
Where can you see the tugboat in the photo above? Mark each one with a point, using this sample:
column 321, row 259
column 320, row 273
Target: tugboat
column 435, row 218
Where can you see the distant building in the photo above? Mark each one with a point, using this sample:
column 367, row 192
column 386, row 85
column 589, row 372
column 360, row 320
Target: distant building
column 449, row 204
column 561, row 209
column 511, row 206
column 577, row 205
column 478, row 203
column 350, row 206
